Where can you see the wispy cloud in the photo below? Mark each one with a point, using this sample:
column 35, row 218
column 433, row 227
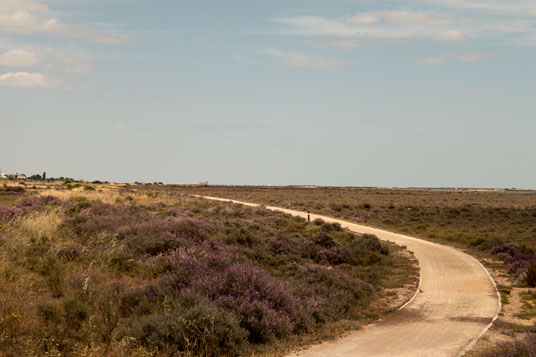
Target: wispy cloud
column 451, row 21
column 386, row 25
column 341, row 44
column 27, row 80
column 19, row 58
column 449, row 36
column 464, row 57
column 119, row 126
column 524, row 8
column 27, row 17
column 401, row 17
column 295, row 59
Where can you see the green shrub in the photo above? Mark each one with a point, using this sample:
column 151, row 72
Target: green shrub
column 75, row 313
column 49, row 313
column 194, row 328
column 107, row 304
column 531, row 275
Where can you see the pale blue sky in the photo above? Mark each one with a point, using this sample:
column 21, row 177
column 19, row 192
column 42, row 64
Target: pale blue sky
column 338, row 92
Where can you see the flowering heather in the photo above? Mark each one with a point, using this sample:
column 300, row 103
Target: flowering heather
column 133, row 297
column 30, row 205
column 525, row 347
column 244, row 276
column 33, row 204
column 517, row 260
column 265, row 307
column 8, row 213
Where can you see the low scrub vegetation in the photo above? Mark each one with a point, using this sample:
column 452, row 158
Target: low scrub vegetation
column 141, row 274
column 495, row 225
column 525, row 347
column 486, row 221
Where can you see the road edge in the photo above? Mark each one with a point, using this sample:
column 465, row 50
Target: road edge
column 471, row 344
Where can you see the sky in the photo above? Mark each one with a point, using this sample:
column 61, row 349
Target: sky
column 436, row 93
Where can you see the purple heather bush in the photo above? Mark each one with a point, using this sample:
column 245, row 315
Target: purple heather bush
column 256, row 275
column 8, row 213
column 35, row 204
column 264, row 306
column 517, row 259
column 137, row 296
column 30, row 205
column 525, row 347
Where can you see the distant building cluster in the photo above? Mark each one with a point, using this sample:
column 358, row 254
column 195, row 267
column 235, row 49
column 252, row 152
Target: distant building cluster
column 16, row 176
column 22, row 177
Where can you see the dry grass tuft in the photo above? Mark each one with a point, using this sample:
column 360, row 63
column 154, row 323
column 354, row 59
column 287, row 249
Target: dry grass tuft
column 40, row 226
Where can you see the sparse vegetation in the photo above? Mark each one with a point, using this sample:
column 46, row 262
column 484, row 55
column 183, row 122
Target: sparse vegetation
column 522, row 347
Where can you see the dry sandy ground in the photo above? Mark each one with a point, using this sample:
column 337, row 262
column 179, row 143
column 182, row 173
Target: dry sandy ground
column 511, row 322
column 456, row 303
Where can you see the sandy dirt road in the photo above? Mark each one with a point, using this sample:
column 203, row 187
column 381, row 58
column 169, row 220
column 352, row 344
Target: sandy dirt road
column 456, row 303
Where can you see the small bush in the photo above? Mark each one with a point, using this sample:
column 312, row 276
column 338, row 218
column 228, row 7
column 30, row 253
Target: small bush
column 49, row 313
column 75, row 313
column 525, row 347
column 530, row 278
column 107, row 315
column 8, row 213
column 195, row 328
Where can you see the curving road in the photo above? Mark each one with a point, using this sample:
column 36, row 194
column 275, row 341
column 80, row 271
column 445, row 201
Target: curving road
column 456, row 303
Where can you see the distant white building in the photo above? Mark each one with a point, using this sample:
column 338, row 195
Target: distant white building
column 16, row 176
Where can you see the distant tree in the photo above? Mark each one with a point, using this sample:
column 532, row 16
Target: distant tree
column 44, row 175
column 35, row 177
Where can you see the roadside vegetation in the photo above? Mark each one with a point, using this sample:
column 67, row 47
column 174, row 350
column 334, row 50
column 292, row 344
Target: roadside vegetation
column 497, row 227
column 97, row 269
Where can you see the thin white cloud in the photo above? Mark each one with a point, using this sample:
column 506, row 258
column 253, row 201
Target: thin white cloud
column 27, row 17
column 434, row 60
column 452, row 24
column 19, row 58
column 342, row 44
column 449, row 36
column 119, row 126
column 294, row 59
column 463, row 57
column 382, row 31
column 26, row 80
column 418, row 18
column 401, row 17
column 524, row 8
column 365, row 18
